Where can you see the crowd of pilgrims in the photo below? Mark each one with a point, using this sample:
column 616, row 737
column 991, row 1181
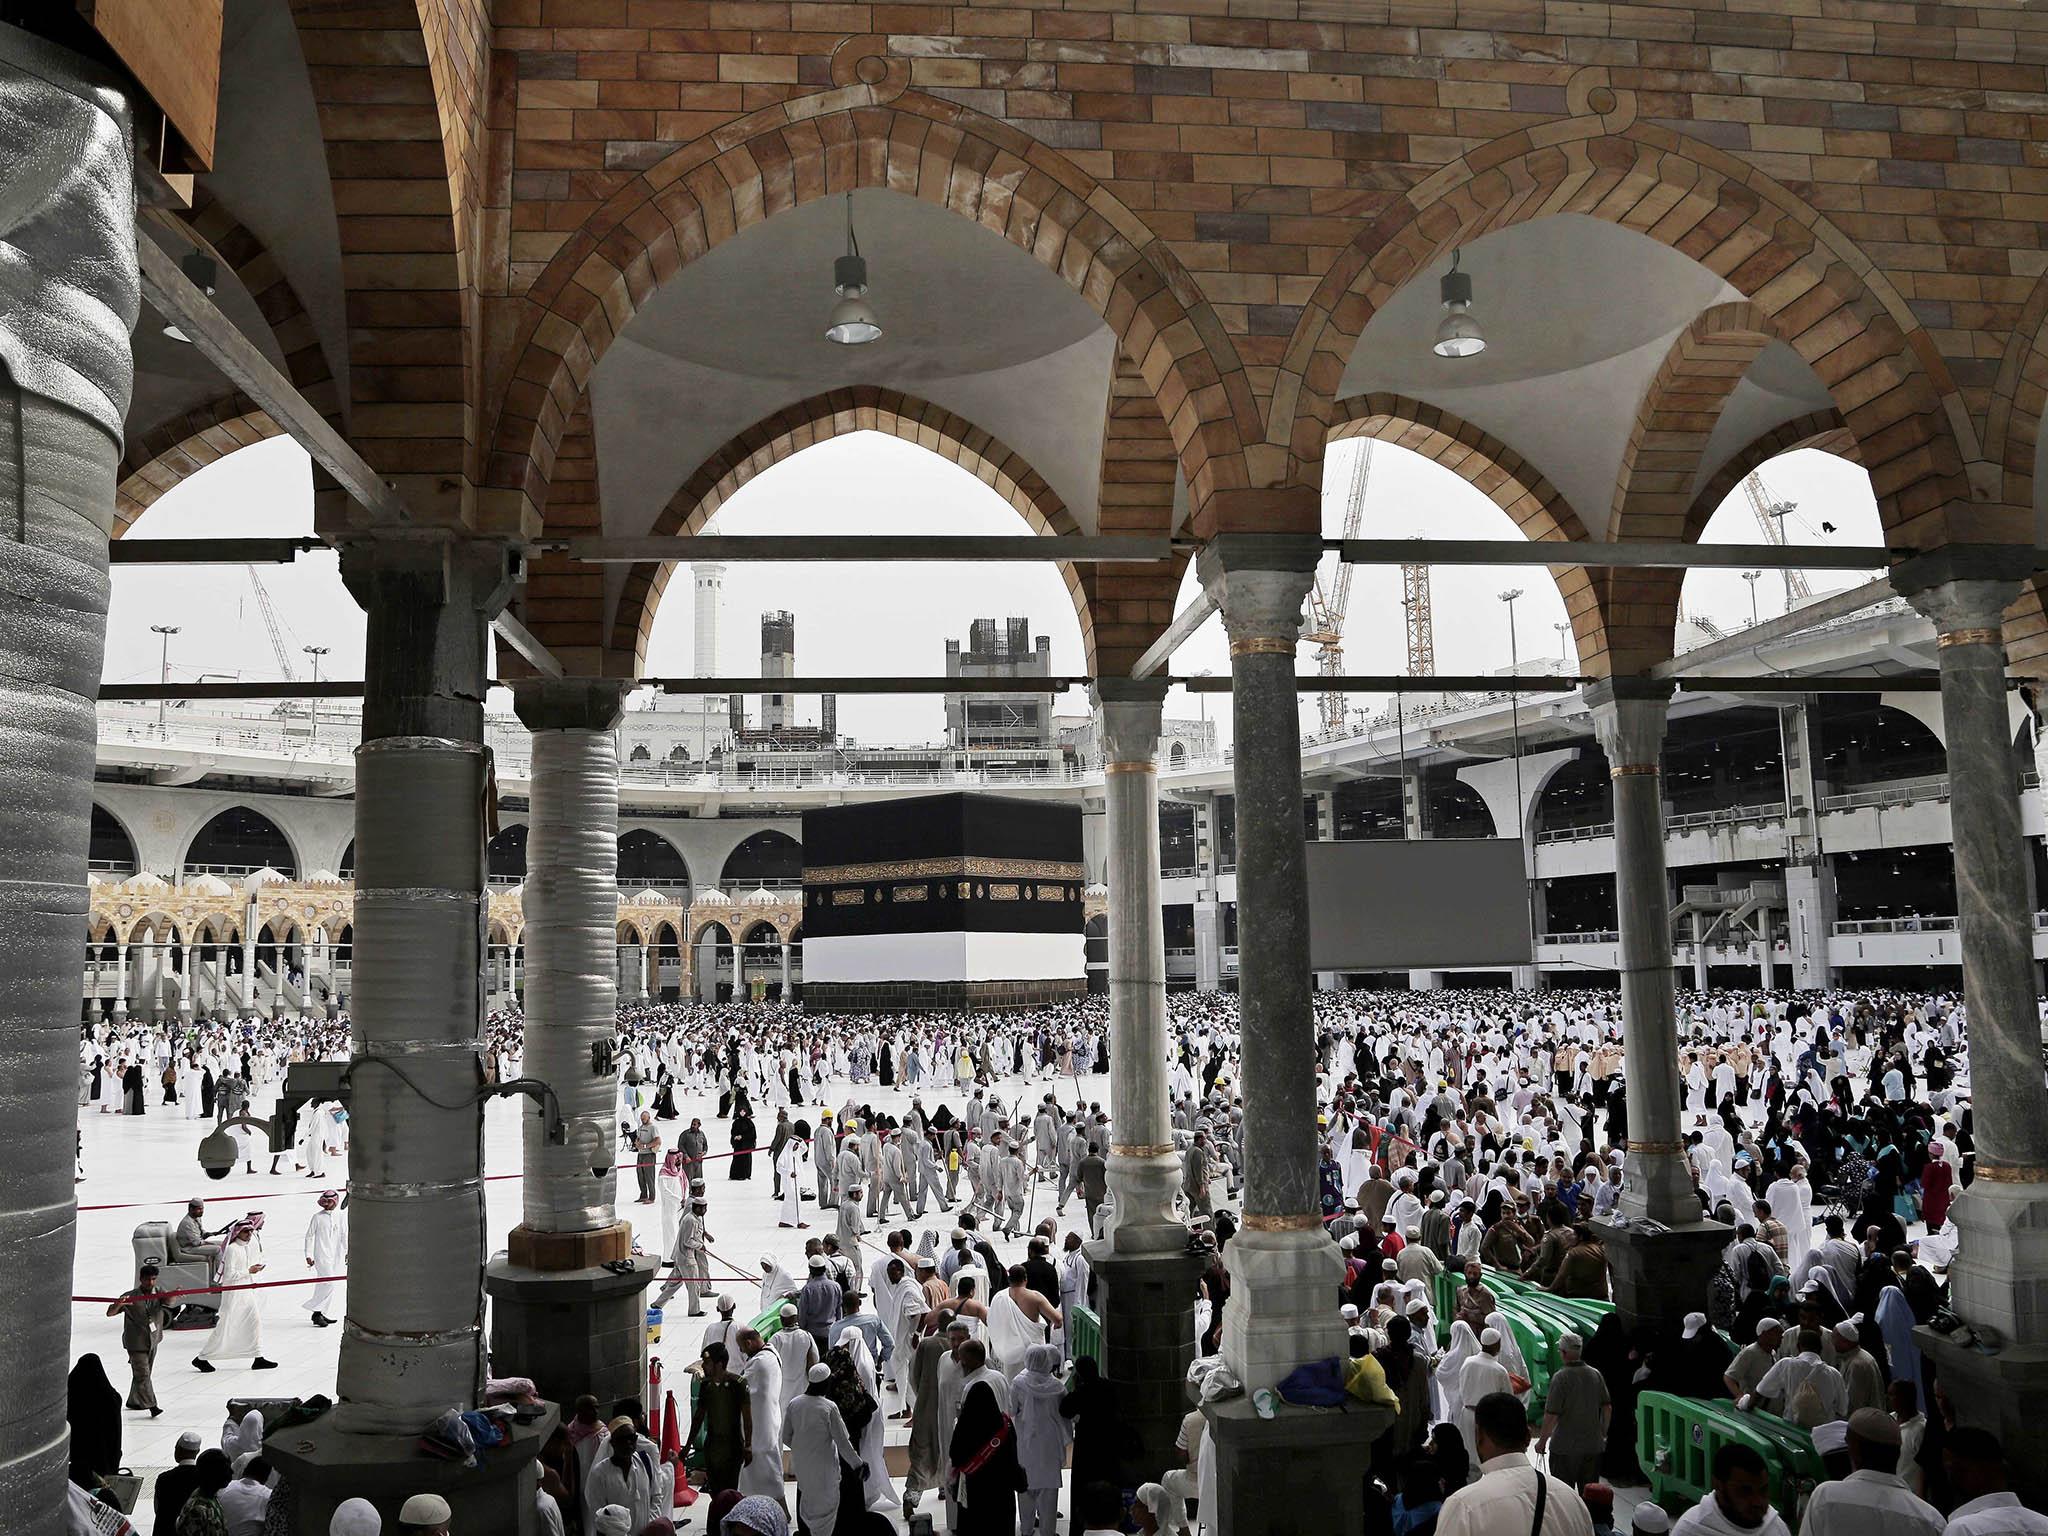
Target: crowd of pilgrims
column 1460, row 1129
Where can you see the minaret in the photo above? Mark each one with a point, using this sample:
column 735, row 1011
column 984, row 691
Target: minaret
column 710, row 584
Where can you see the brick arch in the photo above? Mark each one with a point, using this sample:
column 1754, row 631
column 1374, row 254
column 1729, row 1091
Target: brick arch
column 179, row 448
column 1820, row 430
column 805, row 424
column 2019, row 399
column 1492, row 468
column 1829, row 303
column 1125, row 607
column 175, row 450
column 398, row 89
column 1660, row 462
column 839, row 141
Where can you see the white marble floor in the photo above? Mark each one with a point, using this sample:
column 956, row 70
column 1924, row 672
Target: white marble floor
column 149, row 1167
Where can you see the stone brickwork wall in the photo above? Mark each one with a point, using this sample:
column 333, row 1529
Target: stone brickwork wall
column 1237, row 186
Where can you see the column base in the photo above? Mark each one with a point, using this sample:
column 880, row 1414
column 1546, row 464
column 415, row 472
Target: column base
column 1660, row 1273
column 1999, row 1281
column 571, row 1331
column 1280, row 1313
column 1147, row 1301
column 2006, row 1393
column 1303, row 1468
column 325, row 1466
column 1142, row 1221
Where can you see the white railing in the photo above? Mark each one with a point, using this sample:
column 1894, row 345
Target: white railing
column 1733, row 815
column 1596, row 936
column 1577, row 834
column 1898, row 925
column 1904, row 792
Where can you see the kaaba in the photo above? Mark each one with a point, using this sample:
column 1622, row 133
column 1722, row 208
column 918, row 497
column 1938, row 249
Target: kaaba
column 942, row 902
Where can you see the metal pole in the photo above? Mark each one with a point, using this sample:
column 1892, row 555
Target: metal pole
column 1515, row 731
column 313, row 704
column 1751, row 577
column 164, row 674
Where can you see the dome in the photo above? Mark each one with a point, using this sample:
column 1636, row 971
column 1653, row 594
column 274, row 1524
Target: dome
column 761, row 896
column 1095, row 890
column 212, row 885
column 144, row 881
column 323, row 877
column 649, row 898
column 264, row 876
column 94, row 879
column 713, row 898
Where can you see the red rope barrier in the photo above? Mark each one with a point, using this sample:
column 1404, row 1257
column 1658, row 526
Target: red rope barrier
column 209, row 1290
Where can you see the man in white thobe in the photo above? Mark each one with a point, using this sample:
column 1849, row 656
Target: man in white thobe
column 1477, row 1377
column 326, row 1254
column 1870, row 1501
column 815, row 1432
column 763, row 1377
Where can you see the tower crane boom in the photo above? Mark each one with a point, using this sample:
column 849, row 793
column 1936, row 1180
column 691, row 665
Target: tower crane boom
column 1327, row 604
column 271, row 625
column 1771, row 512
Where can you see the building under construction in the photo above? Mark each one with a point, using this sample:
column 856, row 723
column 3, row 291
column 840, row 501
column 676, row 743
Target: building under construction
column 1004, row 649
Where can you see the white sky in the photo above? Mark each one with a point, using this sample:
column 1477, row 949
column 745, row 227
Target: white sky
column 863, row 618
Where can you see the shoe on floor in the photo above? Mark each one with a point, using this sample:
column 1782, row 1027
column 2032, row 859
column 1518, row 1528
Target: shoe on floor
column 261, row 1364
column 203, row 1365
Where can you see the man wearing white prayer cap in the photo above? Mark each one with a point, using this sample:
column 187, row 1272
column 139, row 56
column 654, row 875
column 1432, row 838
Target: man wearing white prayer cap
column 424, row 1514
column 614, row 1520
column 1649, row 1520
column 355, row 1517
column 1477, row 1377
column 819, row 1445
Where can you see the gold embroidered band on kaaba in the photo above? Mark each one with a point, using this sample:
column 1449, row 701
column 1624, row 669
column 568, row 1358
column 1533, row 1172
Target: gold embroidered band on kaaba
column 957, row 864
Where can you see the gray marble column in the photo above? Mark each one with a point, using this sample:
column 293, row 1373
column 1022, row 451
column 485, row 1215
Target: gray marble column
column 2000, row 1277
column 1144, row 1168
column 1628, row 718
column 1699, row 952
column 67, row 225
column 1282, row 1263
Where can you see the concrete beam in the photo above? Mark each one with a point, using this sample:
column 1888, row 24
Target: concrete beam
column 236, row 356
column 1183, row 627
column 1807, row 616
column 524, row 641
column 1602, row 554
column 146, row 551
column 727, row 548
column 808, row 685
column 1779, row 682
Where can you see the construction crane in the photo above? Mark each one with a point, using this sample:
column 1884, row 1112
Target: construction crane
column 1421, row 625
column 1771, row 512
column 270, row 623
column 1327, row 604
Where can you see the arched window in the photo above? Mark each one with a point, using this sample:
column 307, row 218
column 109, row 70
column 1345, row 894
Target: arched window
column 240, row 841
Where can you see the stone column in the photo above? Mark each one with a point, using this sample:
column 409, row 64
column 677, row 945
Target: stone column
column 413, row 1343
column 556, row 1315
column 186, row 980
column 1658, row 1277
column 1145, row 1274
column 1284, row 1269
column 1283, row 1265
column 1699, row 952
column 1999, row 1281
column 785, row 970
column 67, row 212
column 121, row 981
column 1144, row 1168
